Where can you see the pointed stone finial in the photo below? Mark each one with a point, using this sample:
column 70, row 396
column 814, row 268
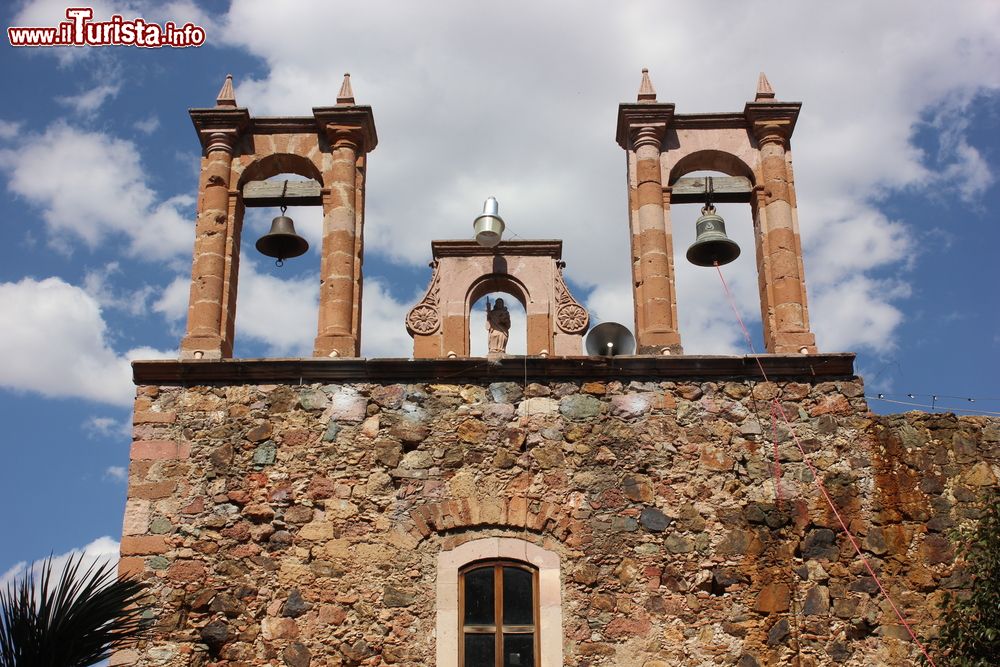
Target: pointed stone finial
column 646, row 91
column 764, row 89
column 346, row 95
column 227, row 96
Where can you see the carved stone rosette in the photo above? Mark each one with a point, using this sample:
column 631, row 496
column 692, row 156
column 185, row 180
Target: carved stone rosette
column 571, row 317
column 425, row 317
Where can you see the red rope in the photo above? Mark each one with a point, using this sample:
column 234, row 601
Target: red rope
column 816, row 478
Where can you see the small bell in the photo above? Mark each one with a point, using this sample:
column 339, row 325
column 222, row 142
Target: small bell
column 711, row 245
column 282, row 242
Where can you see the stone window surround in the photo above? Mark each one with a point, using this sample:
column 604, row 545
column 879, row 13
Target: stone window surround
column 550, row 634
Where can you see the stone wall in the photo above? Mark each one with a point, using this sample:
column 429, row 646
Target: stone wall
column 301, row 524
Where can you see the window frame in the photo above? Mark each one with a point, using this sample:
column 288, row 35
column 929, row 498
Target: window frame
column 549, row 624
column 498, row 630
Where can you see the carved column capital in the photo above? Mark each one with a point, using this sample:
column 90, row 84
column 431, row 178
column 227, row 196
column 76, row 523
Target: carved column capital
column 346, row 136
column 634, row 117
column 772, row 122
column 219, row 140
column 647, row 135
column 772, row 132
column 348, row 127
column 220, row 129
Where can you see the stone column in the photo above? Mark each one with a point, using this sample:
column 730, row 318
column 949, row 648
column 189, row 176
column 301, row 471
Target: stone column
column 779, row 248
column 338, row 266
column 205, row 337
column 656, row 330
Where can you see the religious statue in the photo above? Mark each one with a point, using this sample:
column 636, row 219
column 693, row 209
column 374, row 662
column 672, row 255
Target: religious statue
column 498, row 326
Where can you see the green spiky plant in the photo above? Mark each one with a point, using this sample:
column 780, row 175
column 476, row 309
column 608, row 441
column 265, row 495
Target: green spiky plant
column 73, row 621
column 970, row 627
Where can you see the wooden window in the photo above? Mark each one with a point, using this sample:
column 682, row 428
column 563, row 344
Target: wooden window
column 498, row 614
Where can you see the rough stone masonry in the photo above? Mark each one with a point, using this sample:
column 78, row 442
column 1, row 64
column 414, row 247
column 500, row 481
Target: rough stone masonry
column 300, row 524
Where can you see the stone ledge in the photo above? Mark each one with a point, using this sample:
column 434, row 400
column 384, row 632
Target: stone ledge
column 812, row 367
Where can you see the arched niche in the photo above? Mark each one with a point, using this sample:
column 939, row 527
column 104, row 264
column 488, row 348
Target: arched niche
column 464, row 271
column 505, row 286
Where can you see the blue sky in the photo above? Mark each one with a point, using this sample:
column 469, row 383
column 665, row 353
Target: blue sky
column 896, row 159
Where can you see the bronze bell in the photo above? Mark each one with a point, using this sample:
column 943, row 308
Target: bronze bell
column 282, row 242
column 711, row 245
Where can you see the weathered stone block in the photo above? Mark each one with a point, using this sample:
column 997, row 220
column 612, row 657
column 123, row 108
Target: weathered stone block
column 773, row 599
column 654, row 520
column 159, row 450
column 580, row 406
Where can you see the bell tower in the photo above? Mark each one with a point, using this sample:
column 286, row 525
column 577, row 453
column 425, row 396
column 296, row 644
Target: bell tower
column 753, row 148
column 357, row 511
column 240, row 152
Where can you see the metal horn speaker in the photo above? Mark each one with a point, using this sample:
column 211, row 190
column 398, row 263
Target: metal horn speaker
column 610, row 339
column 489, row 226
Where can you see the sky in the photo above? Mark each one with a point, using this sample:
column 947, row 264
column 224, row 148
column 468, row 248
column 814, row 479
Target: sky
column 897, row 155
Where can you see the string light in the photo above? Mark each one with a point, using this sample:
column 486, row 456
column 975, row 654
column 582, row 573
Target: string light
column 914, row 395
column 933, row 406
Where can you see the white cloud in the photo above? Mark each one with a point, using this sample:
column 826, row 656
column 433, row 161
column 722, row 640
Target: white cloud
column 90, row 100
column 281, row 313
column 173, row 300
column 9, row 129
column 856, row 239
column 108, row 427
column 278, row 312
column 383, row 322
column 116, row 473
column 91, row 188
column 533, row 123
column 102, row 550
column 98, row 284
column 55, row 342
column 866, row 305
column 147, row 125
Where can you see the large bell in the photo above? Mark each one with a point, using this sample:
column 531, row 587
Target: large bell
column 711, row 245
column 282, row 242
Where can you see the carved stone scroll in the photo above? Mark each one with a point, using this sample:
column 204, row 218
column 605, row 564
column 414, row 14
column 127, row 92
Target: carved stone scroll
column 571, row 317
column 425, row 317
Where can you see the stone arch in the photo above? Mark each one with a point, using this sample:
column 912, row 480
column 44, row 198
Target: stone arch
column 516, row 513
column 498, row 282
column 711, row 160
column 266, row 166
column 464, row 271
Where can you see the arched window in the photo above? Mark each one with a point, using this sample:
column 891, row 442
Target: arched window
column 499, row 614
column 474, row 565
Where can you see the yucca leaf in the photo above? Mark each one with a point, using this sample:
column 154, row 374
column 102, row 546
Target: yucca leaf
column 74, row 621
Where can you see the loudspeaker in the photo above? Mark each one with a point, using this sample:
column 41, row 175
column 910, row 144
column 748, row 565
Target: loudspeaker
column 610, row 339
